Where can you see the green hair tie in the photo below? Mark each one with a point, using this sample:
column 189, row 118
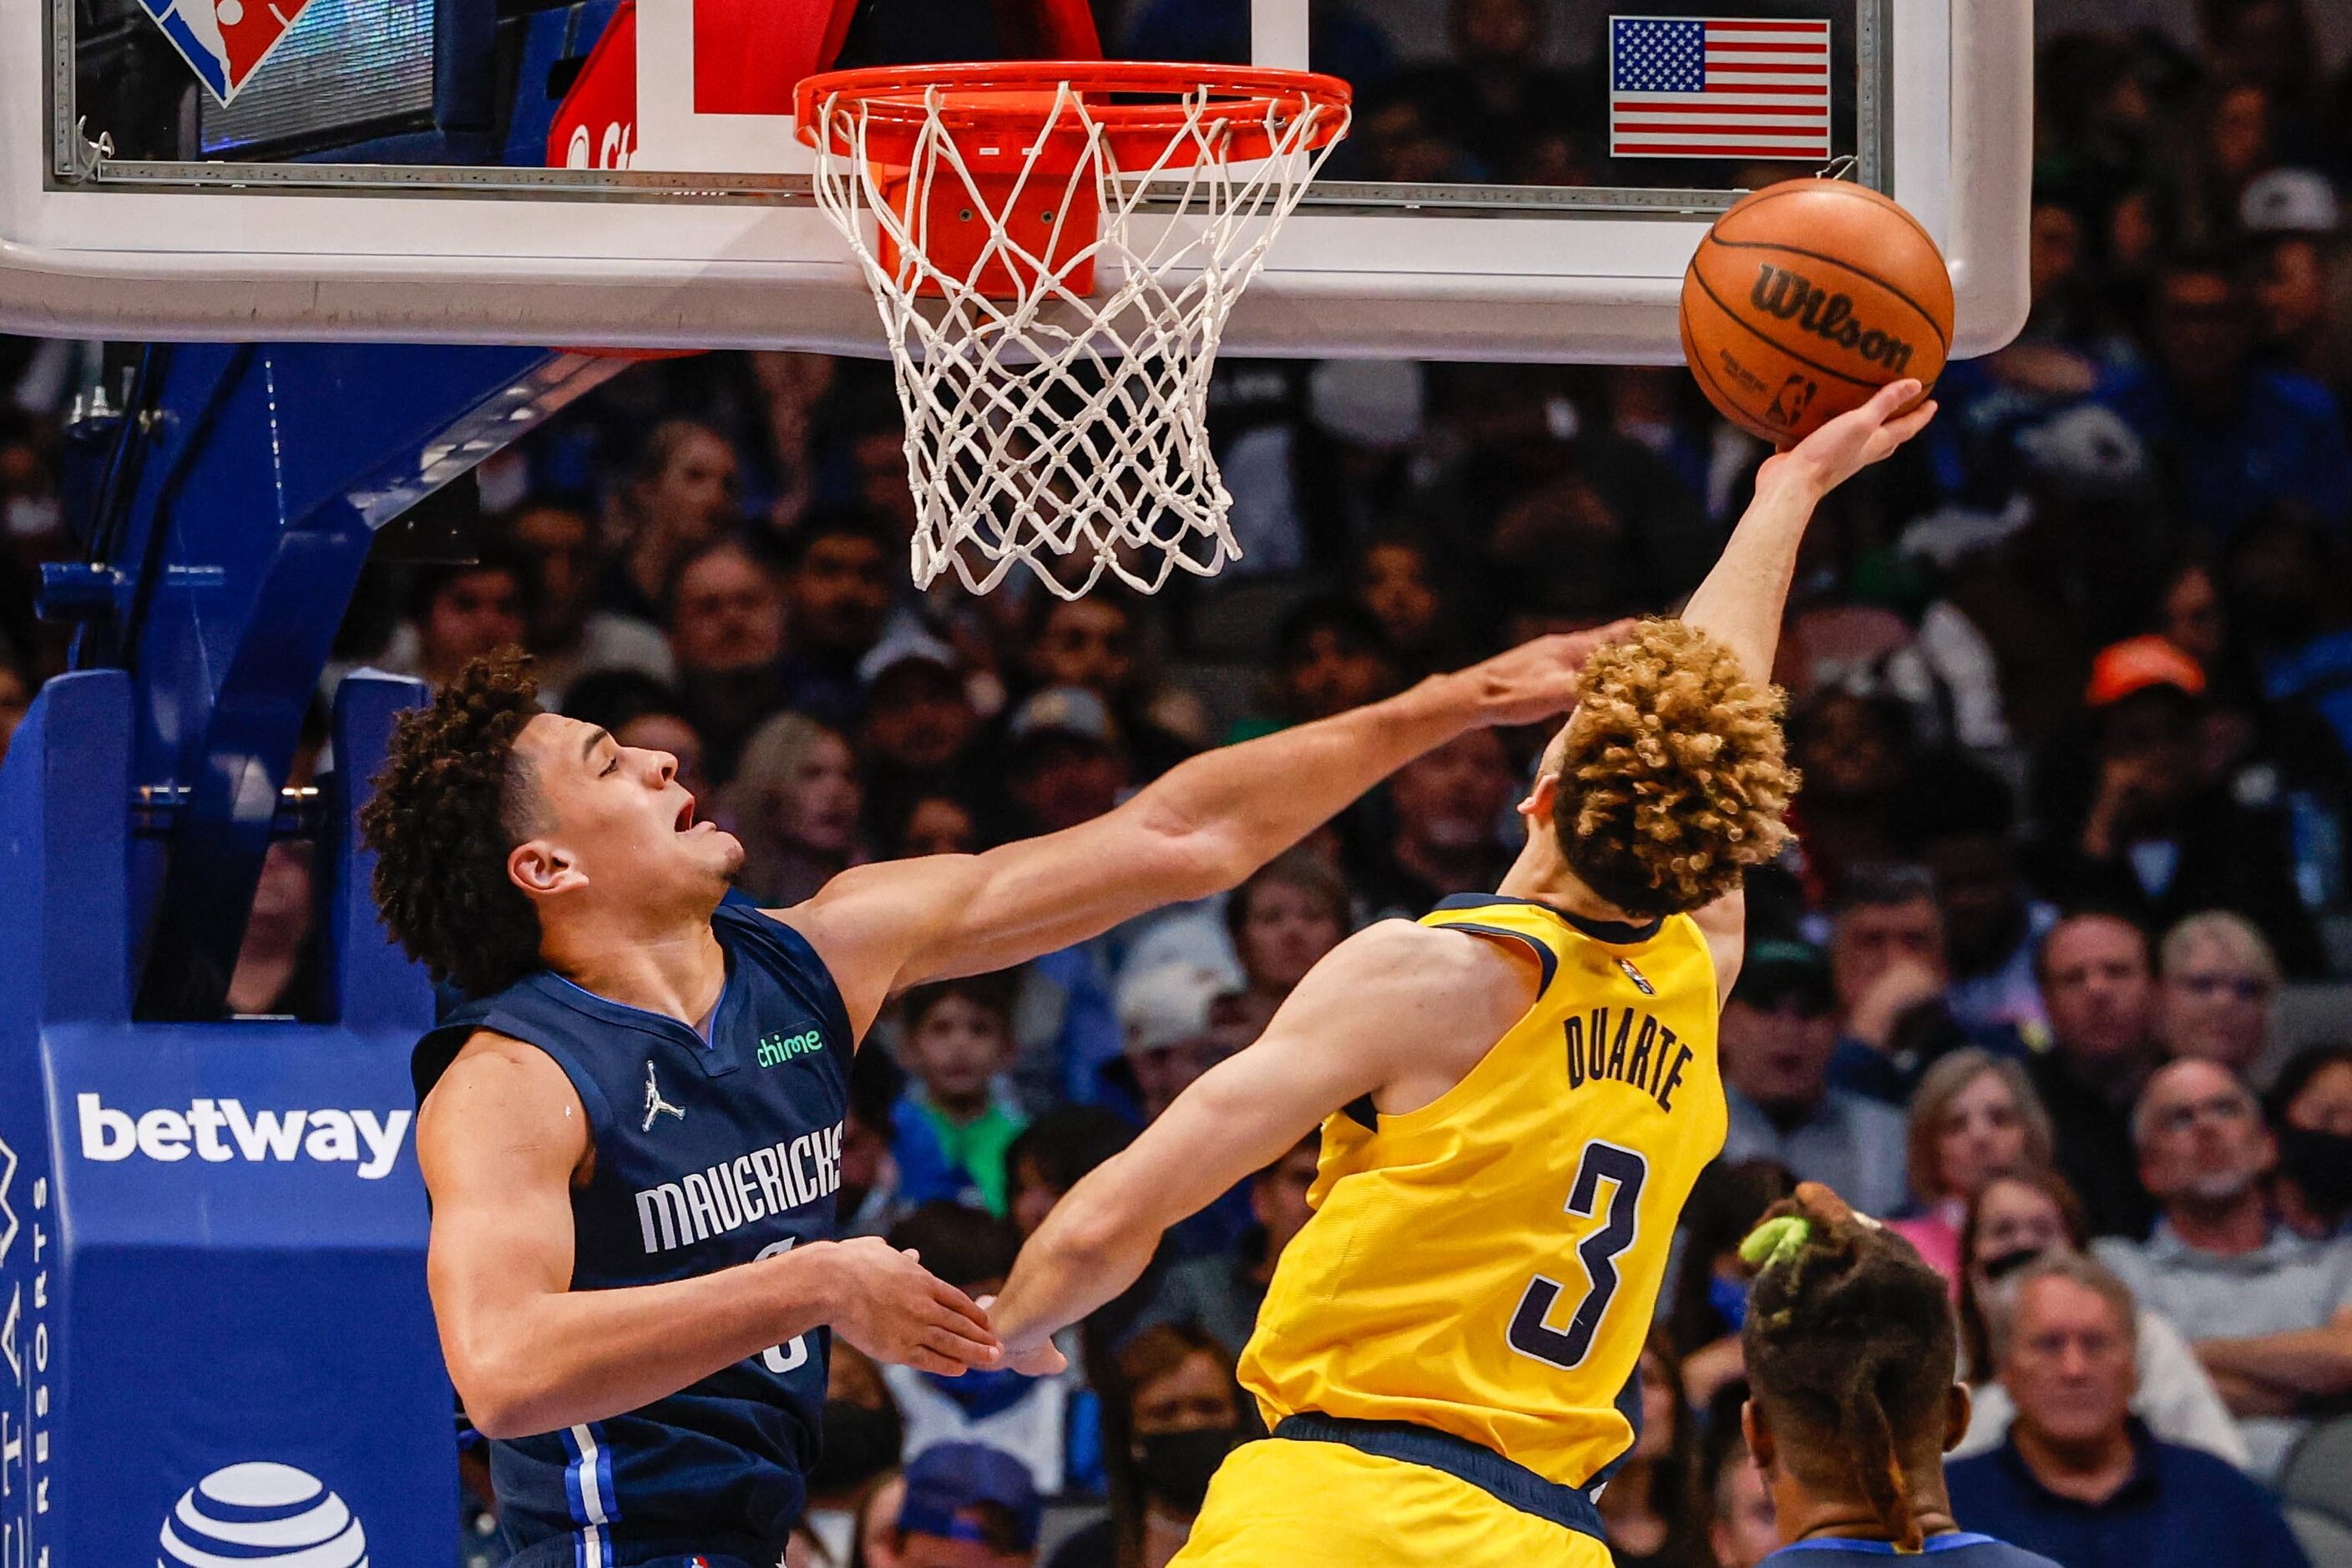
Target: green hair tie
column 1776, row 1241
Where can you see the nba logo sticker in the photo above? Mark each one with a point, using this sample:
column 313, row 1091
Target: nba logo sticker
column 1641, row 983
column 223, row 41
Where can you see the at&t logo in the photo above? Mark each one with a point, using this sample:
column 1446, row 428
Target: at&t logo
column 260, row 1515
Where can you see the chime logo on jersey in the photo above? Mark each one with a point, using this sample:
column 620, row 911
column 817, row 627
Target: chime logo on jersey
column 225, row 41
column 733, row 1194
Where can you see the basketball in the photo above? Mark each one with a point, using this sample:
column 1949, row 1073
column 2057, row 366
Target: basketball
column 1806, row 298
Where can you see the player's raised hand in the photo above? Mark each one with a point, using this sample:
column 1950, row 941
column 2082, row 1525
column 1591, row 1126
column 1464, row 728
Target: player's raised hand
column 1851, row 442
column 885, row 1302
column 1538, row 679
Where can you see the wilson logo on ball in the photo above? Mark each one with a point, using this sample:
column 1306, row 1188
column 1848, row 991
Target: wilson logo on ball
column 1793, row 297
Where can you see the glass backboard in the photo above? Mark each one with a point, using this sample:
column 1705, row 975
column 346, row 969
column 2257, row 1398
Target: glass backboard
column 1525, row 178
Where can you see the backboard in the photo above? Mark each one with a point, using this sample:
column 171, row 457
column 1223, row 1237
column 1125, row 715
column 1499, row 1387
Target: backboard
column 1525, row 179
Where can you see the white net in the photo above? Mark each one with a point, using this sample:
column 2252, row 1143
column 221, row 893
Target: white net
column 1044, row 424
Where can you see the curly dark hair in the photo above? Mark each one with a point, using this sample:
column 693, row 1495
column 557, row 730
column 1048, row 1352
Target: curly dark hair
column 1849, row 1351
column 1674, row 775
column 453, row 799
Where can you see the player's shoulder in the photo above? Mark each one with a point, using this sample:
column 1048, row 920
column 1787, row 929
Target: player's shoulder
column 1430, row 955
column 497, row 1071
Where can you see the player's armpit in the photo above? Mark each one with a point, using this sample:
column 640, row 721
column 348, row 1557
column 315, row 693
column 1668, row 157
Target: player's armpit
column 1724, row 923
column 1394, row 1003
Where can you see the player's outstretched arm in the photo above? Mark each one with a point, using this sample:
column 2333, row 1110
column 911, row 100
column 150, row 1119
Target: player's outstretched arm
column 1743, row 598
column 1204, row 825
column 498, row 1139
column 1366, row 1016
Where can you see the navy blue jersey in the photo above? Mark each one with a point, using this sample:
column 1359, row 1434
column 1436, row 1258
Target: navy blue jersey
column 1960, row 1550
column 706, row 1156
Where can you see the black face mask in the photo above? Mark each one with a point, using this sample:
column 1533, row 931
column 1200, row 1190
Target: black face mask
column 1175, row 1466
column 2320, row 1163
column 859, row 1444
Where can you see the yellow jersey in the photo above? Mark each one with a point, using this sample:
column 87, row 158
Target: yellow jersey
column 1488, row 1265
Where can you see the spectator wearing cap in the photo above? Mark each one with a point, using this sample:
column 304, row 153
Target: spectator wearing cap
column 2098, row 988
column 1064, row 762
column 2217, row 979
column 1173, row 1030
column 1887, row 958
column 1447, row 811
column 915, row 726
column 1050, row 1425
column 2079, row 1478
column 837, row 592
column 1777, row 1033
column 967, row 1505
column 2153, row 839
column 2235, row 435
column 1094, row 643
column 2300, row 280
column 2269, row 1313
column 569, row 635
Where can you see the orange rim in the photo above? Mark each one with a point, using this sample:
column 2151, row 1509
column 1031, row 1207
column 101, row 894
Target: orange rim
column 1013, row 97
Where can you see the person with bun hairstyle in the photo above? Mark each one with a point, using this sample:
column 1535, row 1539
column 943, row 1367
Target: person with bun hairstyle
column 1852, row 1405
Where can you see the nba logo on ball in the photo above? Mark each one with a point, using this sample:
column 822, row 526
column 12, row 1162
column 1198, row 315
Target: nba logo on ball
column 223, row 41
column 260, row 1514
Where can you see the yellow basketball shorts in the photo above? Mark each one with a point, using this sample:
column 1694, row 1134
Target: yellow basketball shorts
column 1285, row 1504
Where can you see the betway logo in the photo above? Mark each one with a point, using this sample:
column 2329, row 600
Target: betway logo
column 326, row 1136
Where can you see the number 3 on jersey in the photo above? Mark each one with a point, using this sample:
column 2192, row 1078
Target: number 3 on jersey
column 1624, row 1171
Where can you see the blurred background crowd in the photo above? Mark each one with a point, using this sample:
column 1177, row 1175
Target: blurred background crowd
column 2054, row 976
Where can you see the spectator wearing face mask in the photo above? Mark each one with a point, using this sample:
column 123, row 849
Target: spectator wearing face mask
column 1178, row 1415
column 2310, row 1113
column 1776, row 1040
column 1051, row 1425
column 863, row 1434
column 2269, row 1313
column 1223, row 1294
column 2018, row 1218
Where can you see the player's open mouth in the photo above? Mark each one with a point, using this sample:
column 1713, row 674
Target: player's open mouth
column 686, row 815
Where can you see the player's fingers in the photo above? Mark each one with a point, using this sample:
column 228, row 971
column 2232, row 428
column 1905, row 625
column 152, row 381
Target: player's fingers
column 923, row 1359
column 1893, row 395
column 960, row 1350
column 944, row 1328
column 962, row 1306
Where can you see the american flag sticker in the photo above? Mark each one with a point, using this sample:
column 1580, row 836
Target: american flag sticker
column 1706, row 86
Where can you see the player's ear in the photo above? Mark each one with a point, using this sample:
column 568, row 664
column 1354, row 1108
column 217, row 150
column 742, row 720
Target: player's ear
column 1759, row 1433
column 1540, row 799
column 542, row 870
column 1958, row 1406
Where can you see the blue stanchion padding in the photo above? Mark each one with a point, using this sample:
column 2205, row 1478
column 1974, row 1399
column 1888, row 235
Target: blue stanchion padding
column 214, row 1338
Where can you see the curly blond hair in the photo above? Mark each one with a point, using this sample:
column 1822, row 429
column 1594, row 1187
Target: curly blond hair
column 1674, row 777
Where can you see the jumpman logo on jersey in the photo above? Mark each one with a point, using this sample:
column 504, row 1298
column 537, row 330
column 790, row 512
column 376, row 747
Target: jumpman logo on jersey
column 655, row 1104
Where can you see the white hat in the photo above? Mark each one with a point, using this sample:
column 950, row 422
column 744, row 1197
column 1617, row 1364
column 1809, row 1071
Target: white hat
column 1169, row 1005
column 2290, row 201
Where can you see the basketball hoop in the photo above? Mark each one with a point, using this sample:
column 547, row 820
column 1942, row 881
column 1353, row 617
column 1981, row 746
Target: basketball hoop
column 1044, row 424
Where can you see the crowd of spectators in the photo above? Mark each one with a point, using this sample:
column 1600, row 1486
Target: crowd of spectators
column 2071, row 685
